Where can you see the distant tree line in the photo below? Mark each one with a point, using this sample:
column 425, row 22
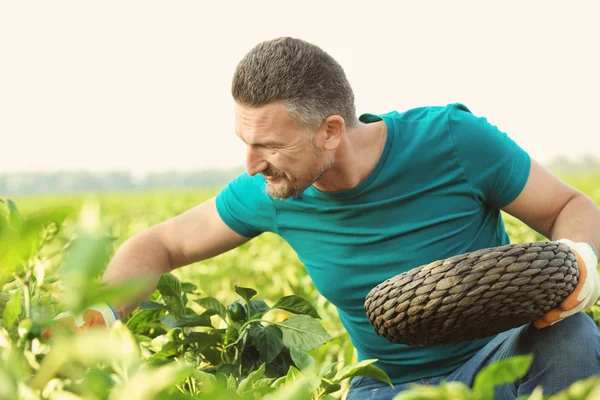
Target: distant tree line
column 24, row 183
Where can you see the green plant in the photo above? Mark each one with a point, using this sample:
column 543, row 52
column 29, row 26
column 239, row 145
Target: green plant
column 247, row 344
column 178, row 344
column 144, row 356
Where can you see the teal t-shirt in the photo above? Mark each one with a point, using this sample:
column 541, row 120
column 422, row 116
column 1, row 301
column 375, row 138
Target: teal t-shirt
column 435, row 193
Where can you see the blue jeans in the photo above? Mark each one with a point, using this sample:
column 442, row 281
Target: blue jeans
column 563, row 353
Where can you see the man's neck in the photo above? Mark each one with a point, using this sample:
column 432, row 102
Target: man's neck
column 355, row 158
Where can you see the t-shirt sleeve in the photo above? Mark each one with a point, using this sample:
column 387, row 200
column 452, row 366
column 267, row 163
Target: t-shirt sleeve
column 245, row 206
column 496, row 167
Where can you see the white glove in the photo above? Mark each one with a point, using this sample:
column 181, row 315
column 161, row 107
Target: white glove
column 587, row 291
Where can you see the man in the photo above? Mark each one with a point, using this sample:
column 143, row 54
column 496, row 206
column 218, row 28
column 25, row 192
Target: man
column 370, row 197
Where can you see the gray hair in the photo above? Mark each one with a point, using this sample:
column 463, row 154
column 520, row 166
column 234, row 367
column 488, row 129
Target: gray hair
column 309, row 82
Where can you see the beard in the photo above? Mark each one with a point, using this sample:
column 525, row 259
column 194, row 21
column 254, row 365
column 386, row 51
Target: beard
column 283, row 188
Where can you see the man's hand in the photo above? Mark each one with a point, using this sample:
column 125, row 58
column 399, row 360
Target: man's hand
column 585, row 293
column 100, row 316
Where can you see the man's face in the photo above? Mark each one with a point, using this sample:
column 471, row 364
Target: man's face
column 278, row 148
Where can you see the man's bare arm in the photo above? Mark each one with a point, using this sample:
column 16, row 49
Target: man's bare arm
column 192, row 236
column 557, row 210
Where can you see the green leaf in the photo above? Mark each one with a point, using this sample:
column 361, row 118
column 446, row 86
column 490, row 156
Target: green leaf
column 349, row 351
column 206, row 381
column 149, row 383
column 362, row 368
column 12, row 207
column 278, row 382
column 151, row 305
column 302, row 359
column 167, row 352
column 292, row 375
column 268, row 341
column 299, row 388
column 247, row 383
column 263, row 382
column 231, row 382
column 501, row 372
column 202, row 339
column 297, row 305
column 13, row 309
column 221, row 379
column 18, row 243
column 258, row 392
column 303, row 332
column 188, row 287
column 445, row 390
column 169, row 320
column 120, row 293
column 587, row 388
column 538, row 394
column 329, row 370
column 212, row 304
column 17, row 364
column 258, row 308
column 50, row 280
column 96, row 384
column 89, row 349
column 170, row 290
column 190, row 321
column 231, row 334
column 4, row 297
column 332, row 388
column 11, row 213
column 246, row 293
column 228, row 369
column 86, row 258
column 140, row 321
column 259, row 389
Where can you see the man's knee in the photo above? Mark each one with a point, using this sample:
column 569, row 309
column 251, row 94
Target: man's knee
column 576, row 328
column 571, row 343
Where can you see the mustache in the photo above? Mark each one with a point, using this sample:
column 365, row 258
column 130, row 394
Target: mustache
column 274, row 172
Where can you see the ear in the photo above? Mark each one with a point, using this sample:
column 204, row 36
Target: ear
column 334, row 127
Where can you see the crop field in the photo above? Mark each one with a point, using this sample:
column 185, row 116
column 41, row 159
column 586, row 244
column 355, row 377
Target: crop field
column 247, row 324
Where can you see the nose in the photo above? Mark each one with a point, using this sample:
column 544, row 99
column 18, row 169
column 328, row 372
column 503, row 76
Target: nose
column 254, row 162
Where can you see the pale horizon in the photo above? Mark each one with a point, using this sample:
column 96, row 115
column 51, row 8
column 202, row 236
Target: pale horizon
column 144, row 86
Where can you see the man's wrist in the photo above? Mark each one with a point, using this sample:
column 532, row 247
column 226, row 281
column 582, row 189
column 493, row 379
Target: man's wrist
column 592, row 249
column 119, row 312
column 115, row 313
column 585, row 250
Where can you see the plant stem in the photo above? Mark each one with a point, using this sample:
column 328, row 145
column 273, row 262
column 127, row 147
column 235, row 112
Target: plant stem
column 327, row 381
column 191, row 387
column 26, row 296
column 283, row 325
column 241, row 336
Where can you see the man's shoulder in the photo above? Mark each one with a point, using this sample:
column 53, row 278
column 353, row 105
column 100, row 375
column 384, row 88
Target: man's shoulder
column 243, row 178
column 244, row 206
column 424, row 113
column 246, row 185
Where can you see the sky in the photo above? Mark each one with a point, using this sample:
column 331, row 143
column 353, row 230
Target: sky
column 145, row 85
